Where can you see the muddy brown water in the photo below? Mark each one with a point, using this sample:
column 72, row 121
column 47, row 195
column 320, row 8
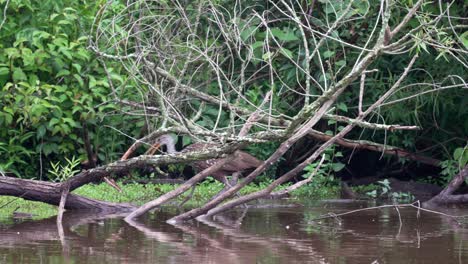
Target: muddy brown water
column 270, row 233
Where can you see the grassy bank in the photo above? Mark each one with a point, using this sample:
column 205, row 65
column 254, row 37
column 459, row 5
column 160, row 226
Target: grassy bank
column 141, row 193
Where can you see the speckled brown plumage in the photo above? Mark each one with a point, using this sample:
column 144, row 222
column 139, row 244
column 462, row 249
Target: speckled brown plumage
column 244, row 161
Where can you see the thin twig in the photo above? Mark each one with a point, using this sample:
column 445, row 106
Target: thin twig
column 412, row 205
column 4, row 14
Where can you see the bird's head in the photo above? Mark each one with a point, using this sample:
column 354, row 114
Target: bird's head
column 165, row 140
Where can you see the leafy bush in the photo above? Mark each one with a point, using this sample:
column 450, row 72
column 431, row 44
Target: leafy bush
column 53, row 88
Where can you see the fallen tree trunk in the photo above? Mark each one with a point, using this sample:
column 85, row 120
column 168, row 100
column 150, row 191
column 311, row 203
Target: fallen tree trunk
column 446, row 196
column 142, row 161
column 51, row 193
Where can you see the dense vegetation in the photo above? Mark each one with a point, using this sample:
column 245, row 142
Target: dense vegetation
column 55, row 92
column 62, row 99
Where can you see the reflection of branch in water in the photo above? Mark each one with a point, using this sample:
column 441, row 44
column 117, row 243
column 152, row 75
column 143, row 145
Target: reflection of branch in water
column 232, row 222
column 413, row 205
column 217, row 247
column 225, row 254
column 450, row 219
column 226, row 226
column 68, row 235
column 49, row 230
column 159, row 236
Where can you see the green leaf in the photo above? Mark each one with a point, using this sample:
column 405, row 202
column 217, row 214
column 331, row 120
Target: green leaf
column 27, row 55
column 69, row 121
column 246, row 33
column 362, row 7
column 49, row 148
column 283, row 36
column 62, row 72
column 116, row 77
column 38, row 110
column 53, row 16
column 461, row 156
column 8, row 110
column 82, row 39
column 53, row 122
column 64, row 22
column 342, row 107
column 340, row 63
column 337, row 166
column 257, row 45
column 77, row 67
column 18, row 75
column 267, row 56
column 67, row 53
column 92, row 82
column 8, row 118
column 60, row 42
column 12, row 53
column 82, row 54
column 4, row 71
column 464, row 39
column 286, row 53
column 19, row 41
column 56, row 129
column 327, row 54
column 41, row 132
column 79, row 79
column 372, row 194
column 186, row 140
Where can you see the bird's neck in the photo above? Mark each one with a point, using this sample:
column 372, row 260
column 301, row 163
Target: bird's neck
column 171, row 147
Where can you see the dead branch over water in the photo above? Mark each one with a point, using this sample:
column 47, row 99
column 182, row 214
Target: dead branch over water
column 172, row 63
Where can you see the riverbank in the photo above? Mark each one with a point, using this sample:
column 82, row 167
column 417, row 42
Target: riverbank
column 139, row 194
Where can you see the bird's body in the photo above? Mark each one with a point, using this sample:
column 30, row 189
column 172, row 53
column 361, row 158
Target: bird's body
column 243, row 161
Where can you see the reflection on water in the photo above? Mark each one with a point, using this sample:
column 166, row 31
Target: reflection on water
column 277, row 234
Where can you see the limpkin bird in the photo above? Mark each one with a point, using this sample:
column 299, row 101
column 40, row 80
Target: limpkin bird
column 244, row 161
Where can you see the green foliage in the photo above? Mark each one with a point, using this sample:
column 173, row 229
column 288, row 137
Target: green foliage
column 383, row 190
column 14, row 153
column 131, row 193
column 365, row 189
column 452, row 166
column 9, row 205
column 329, row 166
column 50, row 85
column 62, row 173
column 141, row 193
column 321, row 187
column 324, row 185
column 461, row 156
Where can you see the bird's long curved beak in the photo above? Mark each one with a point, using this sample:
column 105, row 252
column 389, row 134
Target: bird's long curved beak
column 153, row 149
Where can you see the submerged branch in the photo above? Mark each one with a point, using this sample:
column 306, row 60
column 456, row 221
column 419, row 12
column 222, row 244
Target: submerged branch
column 415, row 205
